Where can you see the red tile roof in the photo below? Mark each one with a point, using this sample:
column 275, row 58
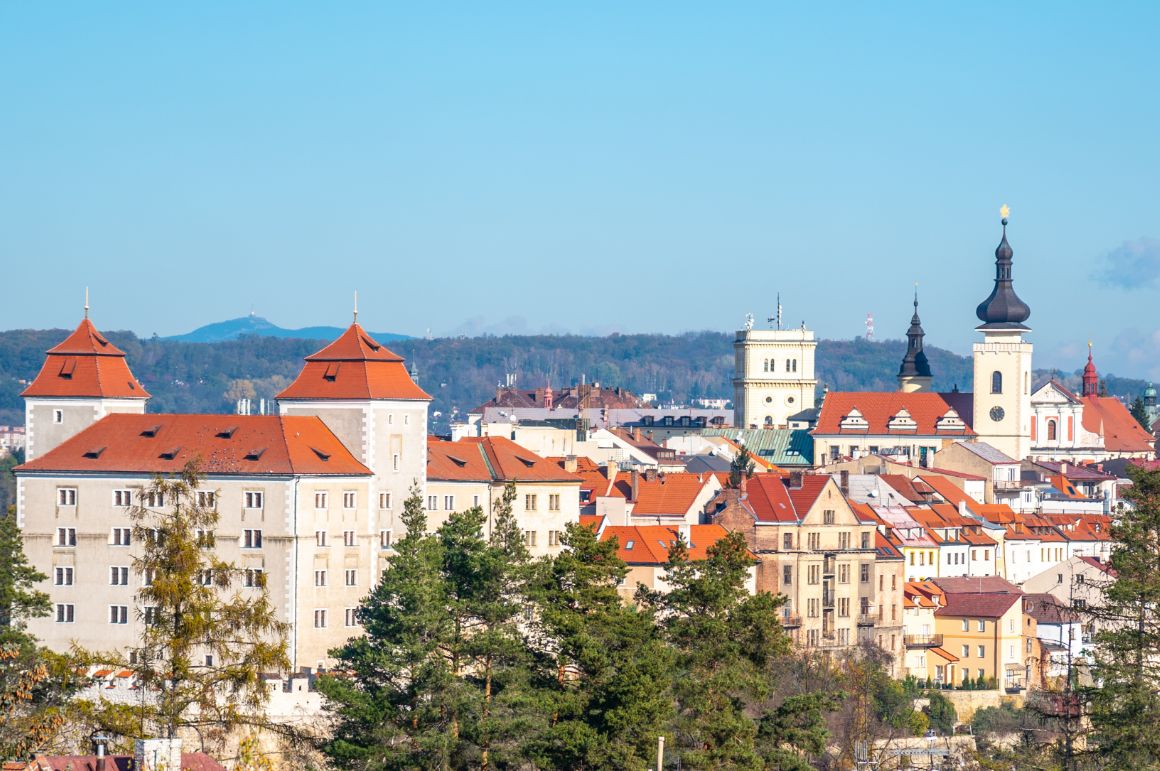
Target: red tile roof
column 672, row 494
column 354, row 366
column 903, row 485
column 769, row 499
column 650, row 544
column 490, row 459
column 803, row 497
column 980, row 604
column 878, row 407
column 1108, row 417
column 86, row 365
column 1101, row 566
column 225, row 444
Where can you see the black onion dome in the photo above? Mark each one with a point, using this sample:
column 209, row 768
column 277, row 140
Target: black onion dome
column 1003, row 309
column 914, row 363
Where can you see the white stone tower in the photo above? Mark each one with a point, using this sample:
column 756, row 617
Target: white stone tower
column 1002, row 389
column 773, row 374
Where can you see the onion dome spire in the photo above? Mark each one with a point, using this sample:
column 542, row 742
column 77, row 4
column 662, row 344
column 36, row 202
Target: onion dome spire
column 914, row 363
column 1091, row 378
column 1003, row 309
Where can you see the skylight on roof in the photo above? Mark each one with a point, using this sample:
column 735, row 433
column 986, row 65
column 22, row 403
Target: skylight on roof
column 95, row 452
column 255, row 454
column 457, row 461
column 151, row 431
column 227, row 433
column 628, row 545
column 331, row 373
column 527, row 462
column 171, row 453
column 321, row 455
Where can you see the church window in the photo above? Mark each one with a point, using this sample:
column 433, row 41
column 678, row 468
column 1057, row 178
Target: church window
column 996, row 382
column 1051, row 431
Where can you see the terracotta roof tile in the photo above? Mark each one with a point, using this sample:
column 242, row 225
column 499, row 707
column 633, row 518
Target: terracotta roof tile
column 877, row 408
column 225, row 444
column 672, row 494
column 977, row 604
column 650, row 544
column 85, row 365
column 769, row 499
column 490, row 459
column 354, row 367
column 1108, row 417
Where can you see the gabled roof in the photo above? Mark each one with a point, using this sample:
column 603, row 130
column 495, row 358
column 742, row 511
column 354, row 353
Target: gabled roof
column 1108, row 417
column 806, row 493
column 932, row 414
column 884, row 549
column 1103, row 567
column 354, row 366
column 778, row 446
column 85, row 365
column 490, row 459
column 650, row 544
column 671, row 494
column 988, row 453
column 1046, row 609
column 225, row 444
column 769, row 499
column 977, row 604
column 903, row 485
column 977, row 584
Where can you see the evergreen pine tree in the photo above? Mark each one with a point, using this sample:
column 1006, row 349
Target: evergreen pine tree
column 1125, row 704
column 1140, row 413
column 19, row 599
column 741, row 467
column 601, row 668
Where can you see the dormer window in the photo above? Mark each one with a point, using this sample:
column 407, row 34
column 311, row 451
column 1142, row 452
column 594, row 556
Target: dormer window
column 68, row 368
column 902, row 421
column 331, row 373
column 853, row 421
column 950, row 421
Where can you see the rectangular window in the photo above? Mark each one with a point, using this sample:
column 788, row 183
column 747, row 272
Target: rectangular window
column 982, row 625
column 351, row 616
column 966, row 622
column 148, row 575
column 121, row 536
column 554, row 502
column 864, row 573
column 384, row 539
column 66, row 496
column 119, row 576
column 475, row 500
column 787, row 541
column 432, row 502
column 351, row 577
column 320, row 538
column 844, row 607
column 529, row 538
column 787, row 575
column 843, row 574
column 813, row 541
column 205, row 577
column 58, row 417
column 865, row 540
column 320, row 618
column 63, row 576
column 251, row 539
column 814, row 573
column 395, row 462
column 966, row 651
column 384, row 500
column 529, row 502
column 205, row 539
column 320, row 578
column 982, row 651
column 118, row 614
column 123, row 498
column 253, row 499
column 349, row 499
column 153, row 499
column 828, row 517
column 255, row 578
column 843, row 540
column 66, row 536
column 320, row 500
column 206, row 499
column 449, row 503
column 150, row 615
column 553, row 537
column 65, row 613
column 348, row 538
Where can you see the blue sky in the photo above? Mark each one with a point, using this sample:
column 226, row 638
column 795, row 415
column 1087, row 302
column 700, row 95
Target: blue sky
column 584, row 167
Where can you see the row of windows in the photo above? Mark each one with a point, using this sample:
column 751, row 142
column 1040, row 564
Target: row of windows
column 349, row 538
column 321, row 615
column 349, row 499
column 251, row 538
column 350, row 576
column 770, row 365
column 119, row 576
column 155, row 499
column 531, row 502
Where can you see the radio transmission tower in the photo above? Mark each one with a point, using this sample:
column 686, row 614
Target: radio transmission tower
column 869, row 326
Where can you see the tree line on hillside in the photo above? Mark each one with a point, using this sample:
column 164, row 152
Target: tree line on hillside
column 462, row 373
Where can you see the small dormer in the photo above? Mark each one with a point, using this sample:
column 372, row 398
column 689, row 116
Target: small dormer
column 902, row 421
column 950, row 421
column 853, row 421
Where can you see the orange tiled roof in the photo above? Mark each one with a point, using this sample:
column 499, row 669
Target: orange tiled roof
column 592, row 521
column 671, row 494
column 769, row 499
column 650, row 544
column 1108, row 417
column 878, row 407
column 85, row 364
column 803, row 497
column 354, row 366
column 490, row 459
column 225, row 444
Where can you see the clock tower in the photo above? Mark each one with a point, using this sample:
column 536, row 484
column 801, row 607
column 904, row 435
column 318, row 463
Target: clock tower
column 1002, row 388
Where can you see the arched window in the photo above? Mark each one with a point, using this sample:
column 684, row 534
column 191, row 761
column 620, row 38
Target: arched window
column 769, row 421
column 1052, row 432
column 996, row 382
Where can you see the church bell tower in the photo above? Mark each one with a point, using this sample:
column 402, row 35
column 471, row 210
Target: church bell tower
column 914, row 374
column 1002, row 390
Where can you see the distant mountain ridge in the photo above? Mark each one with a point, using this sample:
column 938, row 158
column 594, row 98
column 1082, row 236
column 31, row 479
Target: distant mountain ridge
column 233, row 329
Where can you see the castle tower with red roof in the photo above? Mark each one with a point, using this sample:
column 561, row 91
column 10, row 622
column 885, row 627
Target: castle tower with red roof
column 363, row 392
column 1091, row 378
column 1002, row 392
column 83, row 379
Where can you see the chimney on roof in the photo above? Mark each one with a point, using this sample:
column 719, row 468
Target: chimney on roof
column 795, row 479
column 570, row 464
column 1063, row 468
column 636, row 433
column 635, row 484
column 844, row 482
column 744, row 485
column 650, row 474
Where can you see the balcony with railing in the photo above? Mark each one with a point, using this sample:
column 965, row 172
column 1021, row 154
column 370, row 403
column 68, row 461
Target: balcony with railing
column 827, row 598
column 791, row 620
column 923, row 640
column 867, row 619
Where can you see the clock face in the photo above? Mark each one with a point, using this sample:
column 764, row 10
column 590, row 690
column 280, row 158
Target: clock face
column 997, row 414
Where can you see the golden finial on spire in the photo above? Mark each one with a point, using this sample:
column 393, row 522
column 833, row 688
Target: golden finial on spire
column 356, row 306
column 1004, row 211
column 86, row 302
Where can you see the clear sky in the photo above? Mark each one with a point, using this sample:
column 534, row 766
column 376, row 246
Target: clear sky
column 584, row 167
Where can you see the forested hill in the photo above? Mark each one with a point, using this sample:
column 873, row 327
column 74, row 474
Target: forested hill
column 462, row 373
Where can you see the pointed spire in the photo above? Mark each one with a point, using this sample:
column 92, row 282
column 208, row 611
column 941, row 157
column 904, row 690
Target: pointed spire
column 355, row 307
column 1091, row 378
column 1003, row 309
column 914, row 362
column 86, row 302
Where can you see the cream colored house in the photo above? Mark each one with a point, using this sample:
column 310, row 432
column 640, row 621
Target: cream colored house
column 474, row 472
column 645, row 550
column 773, row 375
